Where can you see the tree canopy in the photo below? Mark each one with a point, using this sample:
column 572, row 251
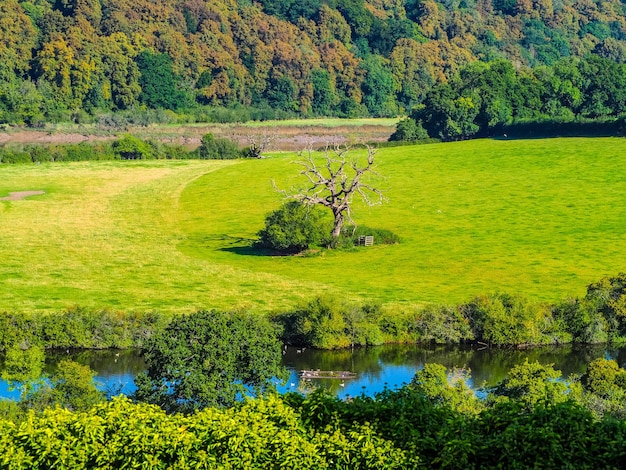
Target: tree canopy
column 209, row 358
column 318, row 57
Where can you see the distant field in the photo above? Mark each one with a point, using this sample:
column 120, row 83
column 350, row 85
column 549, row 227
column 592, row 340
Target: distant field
column 292, row 134
column 543, row 218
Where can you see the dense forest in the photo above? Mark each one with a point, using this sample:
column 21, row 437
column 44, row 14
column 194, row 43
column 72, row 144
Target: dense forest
column 81, row 60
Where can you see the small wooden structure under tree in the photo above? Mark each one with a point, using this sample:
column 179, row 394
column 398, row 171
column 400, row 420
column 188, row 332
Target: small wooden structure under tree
column 365, row 240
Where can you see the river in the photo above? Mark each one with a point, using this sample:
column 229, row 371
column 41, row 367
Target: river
column 375, row 368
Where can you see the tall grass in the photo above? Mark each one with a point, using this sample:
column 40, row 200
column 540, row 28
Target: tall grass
column 542, row 218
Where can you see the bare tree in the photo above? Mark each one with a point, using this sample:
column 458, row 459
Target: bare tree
column 259, row 144
column 335, row 182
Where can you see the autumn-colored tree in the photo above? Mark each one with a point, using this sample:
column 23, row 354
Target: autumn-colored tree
column 120, row 70
column 17, row 38
column 80, row 54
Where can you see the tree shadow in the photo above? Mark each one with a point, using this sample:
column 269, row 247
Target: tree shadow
column 246, row 247
column 253, row 250
column 556, row 129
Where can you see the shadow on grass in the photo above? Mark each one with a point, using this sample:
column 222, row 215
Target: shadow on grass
column 556, row 129
column 244, row 246
column 252, row 250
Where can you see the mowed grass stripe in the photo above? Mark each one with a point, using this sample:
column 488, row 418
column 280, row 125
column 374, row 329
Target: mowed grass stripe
column 541, row 217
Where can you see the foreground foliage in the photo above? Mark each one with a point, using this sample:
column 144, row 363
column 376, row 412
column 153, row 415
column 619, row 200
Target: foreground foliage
column 435, row 422
column 264, row 433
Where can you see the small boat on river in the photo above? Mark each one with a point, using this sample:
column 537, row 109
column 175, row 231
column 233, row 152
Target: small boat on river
column 327, row 374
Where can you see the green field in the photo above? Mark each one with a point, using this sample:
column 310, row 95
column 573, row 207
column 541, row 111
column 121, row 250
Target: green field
column 542, row 218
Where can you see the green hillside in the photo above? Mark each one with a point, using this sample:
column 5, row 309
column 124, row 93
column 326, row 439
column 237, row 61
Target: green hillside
column 226, row 60
column 542, row 218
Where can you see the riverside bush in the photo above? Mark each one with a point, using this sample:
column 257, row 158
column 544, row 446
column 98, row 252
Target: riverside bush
column 503, row 319
column 327, row 323
column 331, row 323
column 79, row 328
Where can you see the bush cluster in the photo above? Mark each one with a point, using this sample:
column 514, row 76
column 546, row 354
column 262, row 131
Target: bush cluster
column 496, row 319
column 329, row 323
column 217, row 148
column 127, row 147
column 79, row 328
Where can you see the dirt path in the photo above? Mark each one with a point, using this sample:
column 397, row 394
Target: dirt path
column 17, row 195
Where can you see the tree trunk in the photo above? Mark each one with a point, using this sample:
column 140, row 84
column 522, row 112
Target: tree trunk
column 337, row 225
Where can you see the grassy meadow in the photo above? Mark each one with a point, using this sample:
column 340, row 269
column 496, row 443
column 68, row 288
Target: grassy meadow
column 542, row 218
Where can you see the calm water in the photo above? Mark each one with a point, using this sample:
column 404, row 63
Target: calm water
column 376, row 368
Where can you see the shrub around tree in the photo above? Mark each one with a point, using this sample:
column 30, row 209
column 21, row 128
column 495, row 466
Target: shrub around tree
column 209, row 358
column 294, row 228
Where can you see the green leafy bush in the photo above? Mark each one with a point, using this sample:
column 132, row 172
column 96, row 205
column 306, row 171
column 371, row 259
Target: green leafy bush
column 441, row 324
column 327, row 323
column 604, row 384
column 218, row 148
column 294, row 227
column 132, row 148
column 9, row 155
column 39, row 153
column 504, row 319
column 444, row 389
column 532, row 384
column 79, row 328
column 207, row 359
column 582, row 321
column 408, row 130
column 259, row 434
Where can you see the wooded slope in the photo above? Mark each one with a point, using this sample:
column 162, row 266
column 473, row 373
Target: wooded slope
column 62, row 58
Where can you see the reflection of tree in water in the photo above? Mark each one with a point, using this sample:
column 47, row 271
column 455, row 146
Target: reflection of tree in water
column 106, row 362
column 487, row 366
column 359, row 360
column 491, row 366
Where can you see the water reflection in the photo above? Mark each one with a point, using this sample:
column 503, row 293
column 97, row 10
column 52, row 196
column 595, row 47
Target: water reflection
column 384, row 366
column 395, row 365
column 115, row 369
